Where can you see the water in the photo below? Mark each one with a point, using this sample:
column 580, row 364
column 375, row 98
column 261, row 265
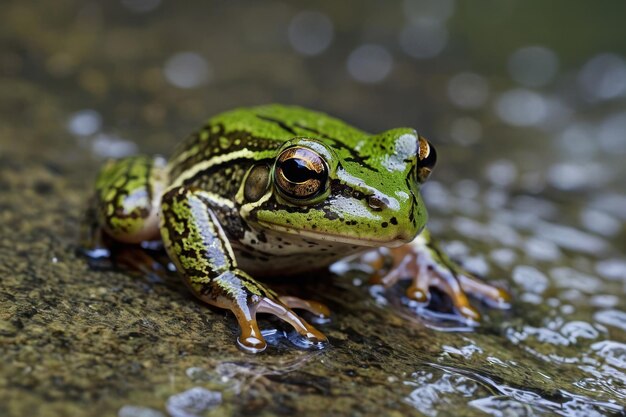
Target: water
column 529, row 191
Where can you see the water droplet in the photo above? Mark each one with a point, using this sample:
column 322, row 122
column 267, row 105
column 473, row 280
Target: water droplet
column 110, row 146
column 521, row 107
column 84, row 123
column 187, row 70
column 613, row 269
column 501, row 172
column 310, row 32
column 533, row 66
column 466, row 130
column 370, row 63
column 603, row 77
column 615, row 318
column 468, row 90
column 423, row 39
column 599, row 222
column 530, row 279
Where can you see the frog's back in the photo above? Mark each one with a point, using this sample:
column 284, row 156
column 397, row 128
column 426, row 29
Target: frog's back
column 251, row 134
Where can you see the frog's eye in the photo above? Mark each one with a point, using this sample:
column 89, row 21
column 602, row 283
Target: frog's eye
column 427, row 158
column 300, row 173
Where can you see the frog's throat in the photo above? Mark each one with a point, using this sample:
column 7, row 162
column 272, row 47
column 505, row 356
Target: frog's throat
column 330, row 237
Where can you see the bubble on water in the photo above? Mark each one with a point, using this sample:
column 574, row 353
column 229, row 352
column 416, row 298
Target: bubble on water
column 466, row 351
column 137, row 411
column 570, row 238
column 370, row 63
column 565, row 277
column 613, row 269
column 111, row 146
column 423, row 39
column 600, row 222
column 466, row 130
column 530, row 279
column 468, row 90
column 575, row 330
column 612, row 134
column 603, row 77
column 187, row 70
column 533, row 66
column 504, row 257
column 141, row 6
column 501, row 172
column 613, row 352
column 541, row 249
column 193, row 402
column 310, row 32
column 84, row 122
column 611, row 317
column 437, row 10
column 521, row 107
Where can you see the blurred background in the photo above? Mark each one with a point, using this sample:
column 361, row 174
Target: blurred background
column 524, row 100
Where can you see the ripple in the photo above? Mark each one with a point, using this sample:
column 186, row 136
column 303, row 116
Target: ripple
column 193, row 402
column 614, row 318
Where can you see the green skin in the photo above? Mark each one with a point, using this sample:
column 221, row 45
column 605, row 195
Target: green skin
column 224, row 216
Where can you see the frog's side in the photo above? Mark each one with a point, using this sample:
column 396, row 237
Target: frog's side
column 277, row 190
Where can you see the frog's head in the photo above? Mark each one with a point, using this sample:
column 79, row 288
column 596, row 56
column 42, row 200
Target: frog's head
column 365, row 193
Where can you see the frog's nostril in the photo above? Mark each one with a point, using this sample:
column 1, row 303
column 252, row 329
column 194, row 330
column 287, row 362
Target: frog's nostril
column 376, row 203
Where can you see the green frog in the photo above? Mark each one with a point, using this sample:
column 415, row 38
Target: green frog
column 279, row 190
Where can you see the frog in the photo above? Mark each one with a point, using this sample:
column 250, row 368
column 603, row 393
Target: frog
column 278, row 190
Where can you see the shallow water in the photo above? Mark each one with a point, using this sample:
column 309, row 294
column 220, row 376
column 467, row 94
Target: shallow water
column 527, row 111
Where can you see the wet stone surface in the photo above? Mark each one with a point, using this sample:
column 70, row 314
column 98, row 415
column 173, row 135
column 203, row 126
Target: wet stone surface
column 529, row 191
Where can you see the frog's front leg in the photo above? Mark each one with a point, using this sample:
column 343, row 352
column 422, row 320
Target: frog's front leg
column 428, row 266
column 198, row 246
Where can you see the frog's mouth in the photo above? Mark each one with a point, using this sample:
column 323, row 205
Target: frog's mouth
column 337, row 238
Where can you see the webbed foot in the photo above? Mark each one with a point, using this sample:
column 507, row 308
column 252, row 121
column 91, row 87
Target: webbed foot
column 428, row 267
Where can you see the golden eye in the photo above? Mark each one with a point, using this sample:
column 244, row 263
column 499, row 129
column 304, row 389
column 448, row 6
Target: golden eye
column 300, row 173
column 427, row 158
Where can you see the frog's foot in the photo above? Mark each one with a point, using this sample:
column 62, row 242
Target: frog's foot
column 429, row 268
column 251, row 339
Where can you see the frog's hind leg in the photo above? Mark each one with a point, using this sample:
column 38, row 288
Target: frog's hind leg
column 197, row 244
column 123, row 210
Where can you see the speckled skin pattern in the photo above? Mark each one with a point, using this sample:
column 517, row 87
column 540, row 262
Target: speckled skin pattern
column 277, row 190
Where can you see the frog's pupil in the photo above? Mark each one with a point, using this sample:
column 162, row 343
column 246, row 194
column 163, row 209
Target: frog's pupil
column 296, row 170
